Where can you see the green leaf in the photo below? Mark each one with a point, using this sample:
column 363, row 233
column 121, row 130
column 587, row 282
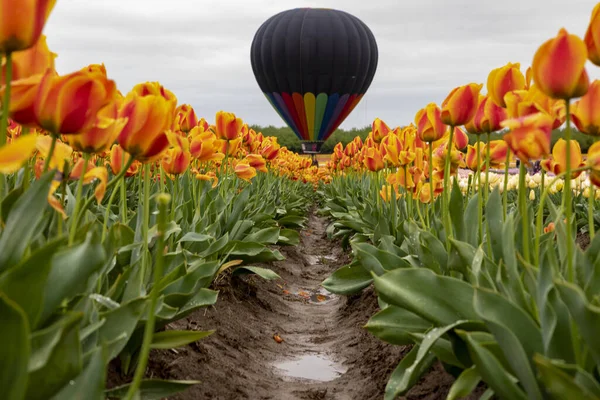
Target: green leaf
column 265, row 236
column 289, row 237
column 264, row 273
column 404, row 378
column 63, row 363
column 152, row 389
column 516, row 333
column 14, row 350
column 70, row 272
column 347, row 280
column 440, row 299
column 491, row 370
column 566, row 382
column 237, row 248
column 195, row 237
column 376, row 260
column 171, row 339
column 10, row 200
column 471, row 235
column 394, row 325
column 292, row 221
column 44, row 341
column 464, row 385
column 456, row 211
column 25, row 283
column 120, row 324
column 22, row 223
column 89, row 385
column 495, row 220
column 586, row 315
column 397, row 380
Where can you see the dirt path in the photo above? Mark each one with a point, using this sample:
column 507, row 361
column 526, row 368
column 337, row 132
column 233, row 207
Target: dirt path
column 325, row 353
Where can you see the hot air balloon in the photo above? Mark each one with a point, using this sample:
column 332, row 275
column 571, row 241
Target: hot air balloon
column 314, row 65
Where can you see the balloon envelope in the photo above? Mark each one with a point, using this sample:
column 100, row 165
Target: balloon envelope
column 314, row 66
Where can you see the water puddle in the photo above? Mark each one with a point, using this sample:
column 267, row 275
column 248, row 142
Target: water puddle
column 316, row 367
column 315, row 260
column 319, row 295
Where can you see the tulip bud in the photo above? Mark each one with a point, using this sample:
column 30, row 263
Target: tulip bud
column 379, row 130
column 227, row 126
column 22, row 22
column 149, row 109
column 460, row 105
column 185, row 118
column 586, row 112
column 529, row 137
column 429, row 123
column 503, row 80
column 592, row 36
column 70, row 103
column 559, row 67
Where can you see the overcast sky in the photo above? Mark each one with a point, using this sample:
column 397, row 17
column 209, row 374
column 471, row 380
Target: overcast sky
column 199, row 49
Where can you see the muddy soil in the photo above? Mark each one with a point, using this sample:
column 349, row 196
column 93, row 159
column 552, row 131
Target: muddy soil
column 289, row 339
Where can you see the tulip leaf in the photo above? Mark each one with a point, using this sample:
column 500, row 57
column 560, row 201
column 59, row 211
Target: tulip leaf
column 292, row 221
column 70, row 272
column 492, row 370
column 441, row 300
column 63, row 360
column 464, row 385
column 25, row 283
column 152, row 389
column 347, row 280
column 400, row 378
column 22, row 223
column 394, row 325
column 565, row 382
column 456, row 212
column 471, row 214
column 586, row 315
column 264, row 273
column 289, row 237
column 195, row 237
column 14, row 349
column 495, row 221
column 171, row 339
column 265, row 236
column 89, row 385
column 516, row 333
column 120, row 324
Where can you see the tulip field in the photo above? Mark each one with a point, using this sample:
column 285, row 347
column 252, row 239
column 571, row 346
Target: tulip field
column 124, row 215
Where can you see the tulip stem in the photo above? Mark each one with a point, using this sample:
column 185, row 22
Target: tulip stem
column 447, row 191
column 567, row 196
column 487, row 169
column 479, row 194
column 74, row 216
column 591, row 200
column 523, row 210
column 123, row 193
column 146, row 214
column 4, row 118
column 163, row 202
column 505, row 189
column 174, row 205
column 431, row 190
column 107, row 213
column 50, row 152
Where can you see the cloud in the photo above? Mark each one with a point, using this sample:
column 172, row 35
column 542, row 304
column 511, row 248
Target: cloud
column 200, row 49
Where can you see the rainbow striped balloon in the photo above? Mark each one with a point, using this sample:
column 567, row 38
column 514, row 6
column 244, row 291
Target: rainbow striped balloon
column 314, row 66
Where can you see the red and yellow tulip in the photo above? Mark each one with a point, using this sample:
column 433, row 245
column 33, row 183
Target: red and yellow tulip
column 22, row 23
column 460, row 105
column 586, row 111
column 592, row 36
column 559, row 66
column 529, row 136
column 429, row 123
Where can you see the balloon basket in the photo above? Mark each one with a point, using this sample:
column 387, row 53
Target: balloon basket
column 311, row 147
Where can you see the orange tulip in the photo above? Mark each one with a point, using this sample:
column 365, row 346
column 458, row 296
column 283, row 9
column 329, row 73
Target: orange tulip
column 593, row 161
column 227, row 126
column 379, row 130
column 586, row 112
column 399, row 178
column 460, row 138
column 257, row 162
column 503, row 80
column 592, row 36
column 22, row 22
column 549, row 228
column 244, row 171
column 185, row 118
column 521, row 103
column 101, row 136
column 116, row 161
column 393, row 147
column 209, row 177
column 149, row 109
column 69, row 104
column 498, row 150
column 460, row 105
column 471, row 158
column 558, row 163
column 33, row 61
column 429, row 123
column 529, row 136
column 22, row 100
column 559, row 67
column 231, row 147
column 177, row 158
column 373, row 159
column 269, row 149
column 488, row 116
column 203, row 146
